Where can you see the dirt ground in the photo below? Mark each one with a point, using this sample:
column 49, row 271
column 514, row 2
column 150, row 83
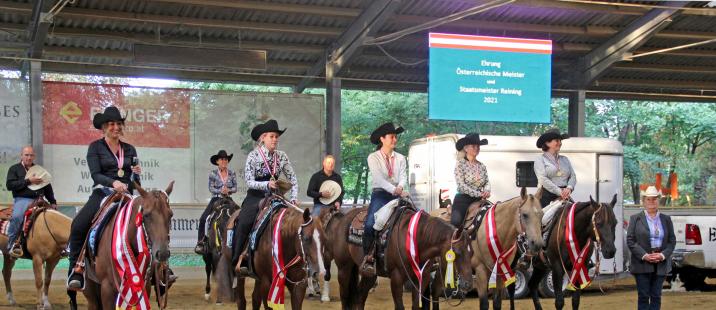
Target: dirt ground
column 188, row 293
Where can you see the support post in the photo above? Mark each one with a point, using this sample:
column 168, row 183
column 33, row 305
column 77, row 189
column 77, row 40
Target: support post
column 36, row 109
column 333, row 115
column 577, row 114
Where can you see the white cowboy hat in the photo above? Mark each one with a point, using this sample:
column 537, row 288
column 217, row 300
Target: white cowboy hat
column 332, row 188
column 38, row 172
column 651, row 191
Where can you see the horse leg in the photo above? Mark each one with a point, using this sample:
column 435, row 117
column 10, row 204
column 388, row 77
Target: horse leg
column 346, row 283
column 37, row 271
column 207, row 269
column 298, row 293
column 50, row 265
column 364, row 287
column 511, row 295
column 239, row 293
column 8, row 263
column 557, row 276
column 396, row 289
column 326, row 286
column 575, row 298
column 107, row 295
column 481, row 285
column 533, row 283
column 497, row 294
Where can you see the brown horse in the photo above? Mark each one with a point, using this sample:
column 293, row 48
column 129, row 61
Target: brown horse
column 215, row 236
column 102, row 278
column 591, row 220
column 47, row 238
column 301, row 237
column 434, row 239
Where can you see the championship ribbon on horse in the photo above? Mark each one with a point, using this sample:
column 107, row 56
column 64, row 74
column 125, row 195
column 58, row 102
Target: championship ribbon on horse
column 276, row 291
column 130, row 268
column 579, row 274
column 411, row 246
column 502, row 265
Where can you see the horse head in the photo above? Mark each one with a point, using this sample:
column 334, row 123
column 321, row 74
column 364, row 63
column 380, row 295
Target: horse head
column 460, row 244
column 530, row 220
column 156, row 218
column 224, row 207
column 605, row 222
column 311, row 236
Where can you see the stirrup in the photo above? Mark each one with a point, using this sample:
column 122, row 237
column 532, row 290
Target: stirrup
column 367, row 268
column 76, row 281
column 16, row 251
column 199, row 248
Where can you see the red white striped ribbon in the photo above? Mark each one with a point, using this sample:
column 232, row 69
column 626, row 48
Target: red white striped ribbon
column 411, row 246
column 502, row 265
column 579, row 276
column 276, row 292
column 130, row 268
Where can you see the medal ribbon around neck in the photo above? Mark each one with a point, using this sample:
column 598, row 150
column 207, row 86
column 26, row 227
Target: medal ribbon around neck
column 388, row 164
column 556, row 163
column 275, row 163
column 120, row 161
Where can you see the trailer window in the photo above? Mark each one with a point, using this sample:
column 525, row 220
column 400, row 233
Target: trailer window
column 526, row 174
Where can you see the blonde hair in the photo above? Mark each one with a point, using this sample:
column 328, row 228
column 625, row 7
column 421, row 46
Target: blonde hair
column 460, row 154
column 260, row 141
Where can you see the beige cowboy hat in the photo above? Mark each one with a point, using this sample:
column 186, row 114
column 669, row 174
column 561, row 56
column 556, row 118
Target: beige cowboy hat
column 651, row 191
column 284, row 186
column 333, row 188
column 38, row 172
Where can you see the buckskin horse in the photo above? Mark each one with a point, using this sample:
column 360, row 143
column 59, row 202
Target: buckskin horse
column 148, row 223
column 433, row 239
column 216, row 234
column 297, row 236
column 45, row 242
column 593, row 225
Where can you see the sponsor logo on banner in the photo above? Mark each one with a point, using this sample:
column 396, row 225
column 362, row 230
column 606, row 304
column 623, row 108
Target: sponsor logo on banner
column 154, row 118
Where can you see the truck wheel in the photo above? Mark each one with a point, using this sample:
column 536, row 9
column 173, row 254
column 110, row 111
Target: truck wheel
column 546, row 287
column 521, row 279
column 693, row 281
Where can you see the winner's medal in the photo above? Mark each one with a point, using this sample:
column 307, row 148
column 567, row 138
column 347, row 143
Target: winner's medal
column 120, row 161
column 120, row 173
column 559, row 173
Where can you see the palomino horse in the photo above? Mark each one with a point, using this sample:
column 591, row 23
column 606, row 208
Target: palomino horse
column 101, row 289
column 301, row 237
column 594, row 222
column 223, row 208
column 434, row 239
column 48, row 237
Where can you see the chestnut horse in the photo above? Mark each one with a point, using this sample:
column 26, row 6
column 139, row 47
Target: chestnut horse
column 101, row 276
column 47, row 238
column 434, row 239
column 301, row 237
column 592, row 220
column 223, row 208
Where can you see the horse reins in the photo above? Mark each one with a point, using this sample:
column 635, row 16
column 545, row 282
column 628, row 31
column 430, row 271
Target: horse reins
column 297, row 258
column 597, row 243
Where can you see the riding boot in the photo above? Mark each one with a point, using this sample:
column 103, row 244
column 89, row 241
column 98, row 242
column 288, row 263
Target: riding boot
column 240, row 239
column 16, row 250
column 368, row 265
column 199, row 248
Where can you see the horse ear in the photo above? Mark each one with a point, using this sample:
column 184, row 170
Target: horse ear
column 139, row 188
column 614, row 201
column 306, row 215
column 591, row 200
column 170, row 187
column 523, row 193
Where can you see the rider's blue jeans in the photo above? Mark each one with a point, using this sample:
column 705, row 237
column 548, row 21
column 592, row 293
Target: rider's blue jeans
column 378, row 199
column 19, row 207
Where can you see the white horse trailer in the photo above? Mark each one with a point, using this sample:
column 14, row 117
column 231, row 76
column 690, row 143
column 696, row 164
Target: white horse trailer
column 598, row 164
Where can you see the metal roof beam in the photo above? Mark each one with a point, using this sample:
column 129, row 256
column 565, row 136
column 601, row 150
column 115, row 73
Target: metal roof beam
column 682, row 85
column 39, row 24
column 351, row 40
column 597, row 61
column 271, row 7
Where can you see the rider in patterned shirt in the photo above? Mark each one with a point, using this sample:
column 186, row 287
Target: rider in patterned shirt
column 470, row 176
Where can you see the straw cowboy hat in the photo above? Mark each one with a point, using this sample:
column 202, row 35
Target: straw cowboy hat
column 550, row 135
column 38, row 172
column 220, row 155
column 269, row 126
column 469, row 139
column 383, row 130
column 110, row 114
column 651, row 191
column 333, row 188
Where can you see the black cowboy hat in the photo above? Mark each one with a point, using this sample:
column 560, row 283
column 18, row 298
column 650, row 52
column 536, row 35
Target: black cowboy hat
column 269, row 126
column 469, row 139
column 550, row 135
column 220, row 155
column 110, row 114
column 383, row 130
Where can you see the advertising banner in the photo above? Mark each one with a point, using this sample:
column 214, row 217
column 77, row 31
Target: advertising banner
column 14, row 126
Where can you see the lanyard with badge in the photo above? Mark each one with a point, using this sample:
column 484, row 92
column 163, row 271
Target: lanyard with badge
column 120, row 161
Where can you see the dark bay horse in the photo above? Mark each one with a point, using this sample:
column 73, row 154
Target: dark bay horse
column 301, row 237
column 102, row 284
column 47, row 238
column 216, row 235
column 434, row 239
column 592, row 221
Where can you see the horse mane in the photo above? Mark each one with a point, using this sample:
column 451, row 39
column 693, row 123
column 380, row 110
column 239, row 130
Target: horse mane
column 434, row 230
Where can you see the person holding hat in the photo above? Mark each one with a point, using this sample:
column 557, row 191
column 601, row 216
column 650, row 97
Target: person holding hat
column 222, row 183
column 651, row 241
column 110, row 164
column 388, row 171
column 554, row 172
column 263, row 166
column 24, row 193
column 319, row 196
column 470, row 176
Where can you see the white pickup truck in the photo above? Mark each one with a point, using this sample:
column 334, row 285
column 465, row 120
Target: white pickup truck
column 694, row 258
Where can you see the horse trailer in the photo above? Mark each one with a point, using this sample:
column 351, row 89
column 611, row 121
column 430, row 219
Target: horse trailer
column 598, row 164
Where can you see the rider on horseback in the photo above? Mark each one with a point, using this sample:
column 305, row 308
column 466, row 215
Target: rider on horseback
column 222, row 183
column 110, row 164
column 263, row 167
column 471, row 177
column 554, row 173
column 23, row 195
column 388, row 170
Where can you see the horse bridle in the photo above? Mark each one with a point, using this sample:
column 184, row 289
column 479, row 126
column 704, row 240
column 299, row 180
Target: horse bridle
column 160, row 268
column 597, row 237
column 298, row 258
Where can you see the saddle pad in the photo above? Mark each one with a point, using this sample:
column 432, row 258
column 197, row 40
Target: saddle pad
column 4, row 225
column 264, row 218
column 474, row 223
column 6, row 213
column 355, row 231
column 98, row 227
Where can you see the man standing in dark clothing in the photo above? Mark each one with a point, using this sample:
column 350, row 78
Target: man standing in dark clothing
column 23, row 196
column 314, row 186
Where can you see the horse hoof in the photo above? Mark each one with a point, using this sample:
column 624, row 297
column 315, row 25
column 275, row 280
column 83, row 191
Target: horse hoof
column 219, row 303
column 325, row 299
column 206, row 297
